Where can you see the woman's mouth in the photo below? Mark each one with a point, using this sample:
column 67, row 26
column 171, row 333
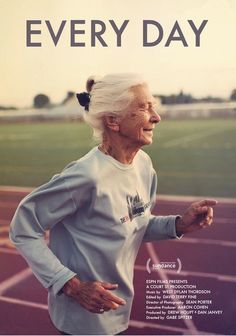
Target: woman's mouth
column 148, row 130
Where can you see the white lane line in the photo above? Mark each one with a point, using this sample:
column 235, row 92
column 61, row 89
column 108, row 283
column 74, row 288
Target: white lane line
column 15, row 189
column 152, row 253
column 192, row 198
column 141, row 325
column 215, row 276
column 11, row 205
column 24, row 303
column 4, row 228
column 218, row 220
column 225, row 243
column 6, row 242
column 15, row 280
column 188, row 138
column 224, row 220
column 4, row 222
column 132, row 323
column 220, row 277
column 160, row 197
column 9, row 250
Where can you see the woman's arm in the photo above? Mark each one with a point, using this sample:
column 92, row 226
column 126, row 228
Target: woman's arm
column 198, row 215
column 38, row 212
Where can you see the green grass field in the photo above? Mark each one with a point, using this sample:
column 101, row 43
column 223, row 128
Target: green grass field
column 192, row 157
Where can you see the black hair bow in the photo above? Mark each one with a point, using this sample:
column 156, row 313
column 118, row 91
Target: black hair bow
column 84, row 99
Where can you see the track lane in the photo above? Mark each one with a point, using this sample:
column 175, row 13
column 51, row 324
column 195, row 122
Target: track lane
column 207, row 258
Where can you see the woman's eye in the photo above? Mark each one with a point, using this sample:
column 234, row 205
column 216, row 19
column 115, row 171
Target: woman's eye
column 153, row 109
column 148, row 109
column 144, row 109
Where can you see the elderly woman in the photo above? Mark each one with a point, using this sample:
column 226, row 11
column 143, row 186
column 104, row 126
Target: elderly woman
column 98, row 211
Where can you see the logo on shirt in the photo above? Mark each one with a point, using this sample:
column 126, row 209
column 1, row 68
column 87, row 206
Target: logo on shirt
column 136, row 208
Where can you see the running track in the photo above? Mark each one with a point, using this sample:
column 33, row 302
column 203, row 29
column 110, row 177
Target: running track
column 208, row 260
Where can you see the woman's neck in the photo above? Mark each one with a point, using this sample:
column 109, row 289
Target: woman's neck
column 118, row 149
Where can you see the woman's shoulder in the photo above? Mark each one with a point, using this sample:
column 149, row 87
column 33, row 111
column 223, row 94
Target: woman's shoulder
column 85, row 166
column 144, row 158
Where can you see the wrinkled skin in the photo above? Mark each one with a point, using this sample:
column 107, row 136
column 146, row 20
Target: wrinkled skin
column 198, row 216
column 93, row 296
column 136, row 128
column 122, row 139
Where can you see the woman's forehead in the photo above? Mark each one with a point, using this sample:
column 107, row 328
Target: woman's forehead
column 142, row 95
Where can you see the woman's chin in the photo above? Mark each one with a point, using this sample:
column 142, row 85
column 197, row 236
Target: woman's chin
column 146, row 141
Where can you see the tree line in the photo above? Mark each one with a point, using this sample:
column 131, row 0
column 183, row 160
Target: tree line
column 43, row 101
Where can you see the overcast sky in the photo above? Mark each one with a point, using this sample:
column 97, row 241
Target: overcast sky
column 207, row 70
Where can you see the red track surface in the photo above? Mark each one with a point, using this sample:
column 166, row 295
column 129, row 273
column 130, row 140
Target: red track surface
column 208, row 260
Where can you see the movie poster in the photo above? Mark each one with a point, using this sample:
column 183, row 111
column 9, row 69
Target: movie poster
column 186, row 51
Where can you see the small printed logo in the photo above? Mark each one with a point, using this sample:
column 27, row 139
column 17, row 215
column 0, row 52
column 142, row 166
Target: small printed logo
column 136, row 208
column 170, row 265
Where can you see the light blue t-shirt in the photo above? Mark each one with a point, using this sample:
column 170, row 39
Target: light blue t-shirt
column 98, row 211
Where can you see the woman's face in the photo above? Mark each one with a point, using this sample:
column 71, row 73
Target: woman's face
column 141, row 117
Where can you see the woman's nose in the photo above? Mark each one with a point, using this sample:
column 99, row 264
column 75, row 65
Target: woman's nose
column 155, row 118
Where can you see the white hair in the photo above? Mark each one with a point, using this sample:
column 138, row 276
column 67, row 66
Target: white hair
column 109, row 96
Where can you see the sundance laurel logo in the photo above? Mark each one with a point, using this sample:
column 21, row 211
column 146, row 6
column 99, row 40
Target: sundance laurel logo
column 164, row 265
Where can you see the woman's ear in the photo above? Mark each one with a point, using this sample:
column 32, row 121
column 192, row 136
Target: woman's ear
column 112, row 122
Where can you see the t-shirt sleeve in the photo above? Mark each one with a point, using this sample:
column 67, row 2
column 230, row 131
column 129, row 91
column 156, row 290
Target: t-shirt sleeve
column 39, row 211
column 159, row 227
